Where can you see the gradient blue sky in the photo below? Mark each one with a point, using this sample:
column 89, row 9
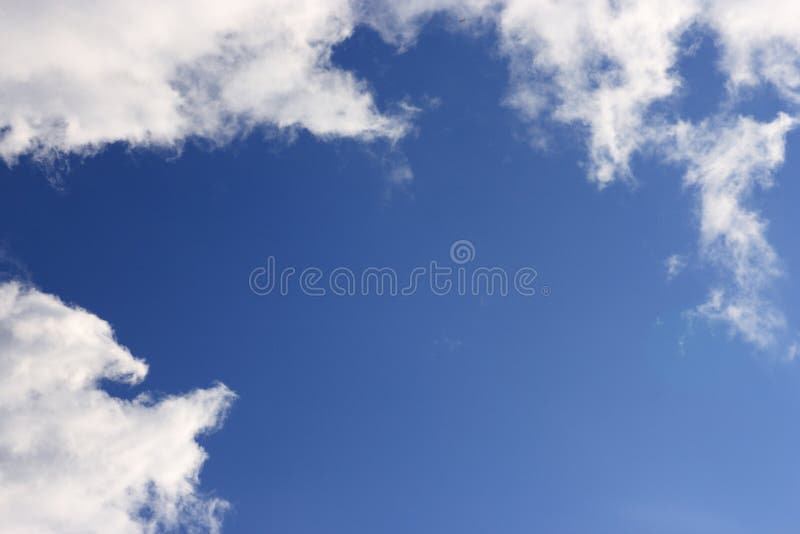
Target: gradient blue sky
column 603, row 407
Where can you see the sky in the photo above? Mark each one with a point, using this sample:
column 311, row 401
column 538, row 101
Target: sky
column 635, row 162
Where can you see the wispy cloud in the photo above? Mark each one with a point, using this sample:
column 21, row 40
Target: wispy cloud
column 601, row 65
column 448, row 343
column 726, row 162
column 675, row 264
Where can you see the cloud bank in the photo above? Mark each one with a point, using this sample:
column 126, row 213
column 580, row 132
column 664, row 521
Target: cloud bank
column 74, row 459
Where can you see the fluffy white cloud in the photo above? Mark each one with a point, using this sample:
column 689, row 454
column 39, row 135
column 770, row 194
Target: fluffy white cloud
column 75, row 76
column 74, row 459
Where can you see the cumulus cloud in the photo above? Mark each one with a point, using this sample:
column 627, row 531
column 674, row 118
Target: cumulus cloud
column 76, row 76
column 74, row 458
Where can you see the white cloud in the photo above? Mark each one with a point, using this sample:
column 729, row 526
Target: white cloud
column 74, row 459
column 600, row 64
column 760, row 41
column 75, row 76
column 726, row 161
column 675, row 264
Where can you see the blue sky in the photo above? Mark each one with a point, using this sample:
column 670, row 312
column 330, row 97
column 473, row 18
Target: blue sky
column 616, row 400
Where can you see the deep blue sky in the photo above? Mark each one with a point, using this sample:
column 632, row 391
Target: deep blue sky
column 578, row 412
